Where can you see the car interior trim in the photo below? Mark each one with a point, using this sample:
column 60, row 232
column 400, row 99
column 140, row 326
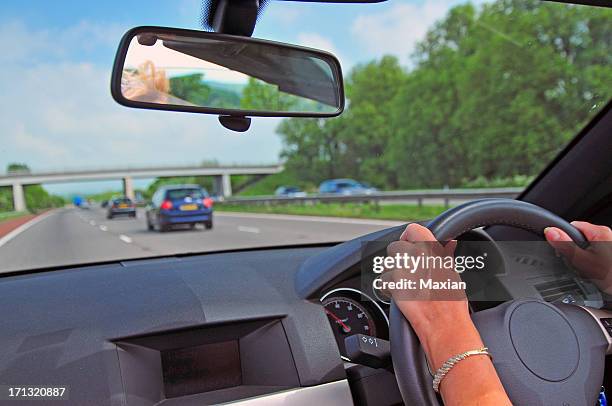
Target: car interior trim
column 333, row 393
column 598, row 315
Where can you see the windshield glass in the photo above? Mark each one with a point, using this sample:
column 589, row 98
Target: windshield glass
column 440, row 95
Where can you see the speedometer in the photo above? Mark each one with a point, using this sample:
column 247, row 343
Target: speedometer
column 348, row 317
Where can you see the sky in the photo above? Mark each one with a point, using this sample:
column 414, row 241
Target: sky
column 56, row 111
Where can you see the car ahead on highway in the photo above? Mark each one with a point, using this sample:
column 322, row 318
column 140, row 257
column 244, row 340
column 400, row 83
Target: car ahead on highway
column 346, row 187
column 289, row 191
column 179, row 205
column 120, row 206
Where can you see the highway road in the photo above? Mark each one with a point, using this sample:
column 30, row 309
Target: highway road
column 79, row 236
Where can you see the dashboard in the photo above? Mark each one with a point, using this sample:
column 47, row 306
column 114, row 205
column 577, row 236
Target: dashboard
column 515, row 270
column 249, row 327
column 351, row 311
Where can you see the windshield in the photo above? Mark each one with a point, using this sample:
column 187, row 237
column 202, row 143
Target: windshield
column 440, row 94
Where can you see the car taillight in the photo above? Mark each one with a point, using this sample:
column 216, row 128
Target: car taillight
column 166, row 205
column 208, row 202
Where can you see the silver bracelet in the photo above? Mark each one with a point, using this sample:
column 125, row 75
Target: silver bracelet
column 452, row 361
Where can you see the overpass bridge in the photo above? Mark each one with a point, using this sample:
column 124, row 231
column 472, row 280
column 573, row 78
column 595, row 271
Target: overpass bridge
column 223, row 185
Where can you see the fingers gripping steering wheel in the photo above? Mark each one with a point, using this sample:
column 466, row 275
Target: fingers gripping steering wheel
column 544, row 354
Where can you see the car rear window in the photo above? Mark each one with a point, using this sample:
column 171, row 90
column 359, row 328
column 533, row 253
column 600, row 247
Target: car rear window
column 119, row 201
column 176, row 194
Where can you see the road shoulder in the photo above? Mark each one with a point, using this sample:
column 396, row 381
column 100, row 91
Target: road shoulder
column 9, row 229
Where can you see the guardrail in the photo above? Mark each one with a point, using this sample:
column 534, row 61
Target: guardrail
column 418, row 196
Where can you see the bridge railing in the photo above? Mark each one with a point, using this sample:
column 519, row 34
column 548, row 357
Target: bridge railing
column 410, row 196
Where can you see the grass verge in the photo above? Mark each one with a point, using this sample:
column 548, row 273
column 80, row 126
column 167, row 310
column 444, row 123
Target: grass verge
column 7, row 215
column 401, row 212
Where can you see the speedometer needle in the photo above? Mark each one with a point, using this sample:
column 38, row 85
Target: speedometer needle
column 345, row 327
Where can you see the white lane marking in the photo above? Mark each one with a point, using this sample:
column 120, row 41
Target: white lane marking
column 24, row 226
column 244, row 229
column 320, row 219
column 103, row 228
column 93, row 223
column 125, row 239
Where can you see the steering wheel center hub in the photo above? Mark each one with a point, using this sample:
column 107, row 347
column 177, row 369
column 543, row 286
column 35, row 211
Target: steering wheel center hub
column 544, row 341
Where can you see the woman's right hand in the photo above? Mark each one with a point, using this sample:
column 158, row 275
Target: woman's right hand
column 442, row 322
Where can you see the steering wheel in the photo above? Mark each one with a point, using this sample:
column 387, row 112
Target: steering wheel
column 544, row 354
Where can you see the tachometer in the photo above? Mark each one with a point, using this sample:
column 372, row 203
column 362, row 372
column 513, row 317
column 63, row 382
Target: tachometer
column 348, row 317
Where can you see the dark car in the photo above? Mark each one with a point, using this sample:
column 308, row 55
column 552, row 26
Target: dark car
column 121, row 206
column 179, row 205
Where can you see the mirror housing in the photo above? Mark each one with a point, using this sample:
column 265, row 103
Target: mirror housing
column 166, row 69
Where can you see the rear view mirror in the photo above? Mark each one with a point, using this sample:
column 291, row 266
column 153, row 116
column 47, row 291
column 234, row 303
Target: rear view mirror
column 204, row 72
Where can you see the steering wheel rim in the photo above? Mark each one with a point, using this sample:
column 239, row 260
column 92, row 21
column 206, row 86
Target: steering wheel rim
column 486, row 212
column 501, row 334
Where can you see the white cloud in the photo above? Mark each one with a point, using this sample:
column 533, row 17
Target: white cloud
column 314, row 40
column 29, row 46
column 285, row 14
column 317, row 41
column 38, row 146
column 397, row 29
column 57, row 113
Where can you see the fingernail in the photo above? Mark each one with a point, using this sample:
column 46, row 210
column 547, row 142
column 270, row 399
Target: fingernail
column 552, row 233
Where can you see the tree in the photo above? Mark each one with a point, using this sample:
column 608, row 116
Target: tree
column 497, row 93
column 259, row 95
column 191, row 88
column 346, row 145
column 367, row 130
column 493, row 92
column 17, row 168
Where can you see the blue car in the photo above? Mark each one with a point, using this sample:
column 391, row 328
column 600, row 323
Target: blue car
column 345, row 187
column 179, row 205
column 289, row 191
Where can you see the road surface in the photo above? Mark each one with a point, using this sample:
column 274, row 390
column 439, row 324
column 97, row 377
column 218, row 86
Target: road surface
column 79, row 236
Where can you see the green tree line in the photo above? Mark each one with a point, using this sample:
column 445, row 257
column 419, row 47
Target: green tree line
column 491, row 93
column 194, row 89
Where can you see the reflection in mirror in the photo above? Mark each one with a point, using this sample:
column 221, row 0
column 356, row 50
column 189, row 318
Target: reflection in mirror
column 226, row 73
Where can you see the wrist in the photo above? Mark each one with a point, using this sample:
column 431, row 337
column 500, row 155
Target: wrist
column 442, row 341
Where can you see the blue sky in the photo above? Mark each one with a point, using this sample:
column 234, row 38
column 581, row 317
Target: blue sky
column 57, row 113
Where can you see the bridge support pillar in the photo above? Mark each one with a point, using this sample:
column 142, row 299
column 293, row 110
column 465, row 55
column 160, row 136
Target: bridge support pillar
column 223, row 185
column 19, row 203
column 226, row 180
column 128, row 187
